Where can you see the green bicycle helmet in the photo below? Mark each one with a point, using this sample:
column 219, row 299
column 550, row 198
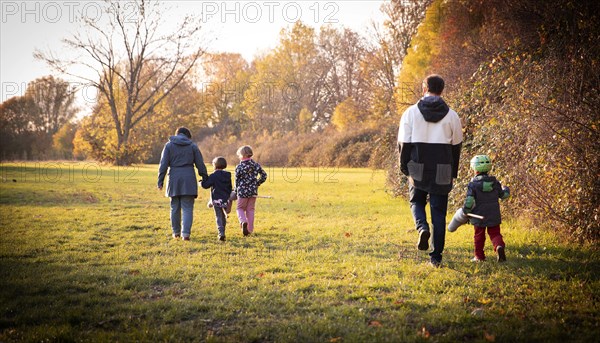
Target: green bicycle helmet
column 481, row 163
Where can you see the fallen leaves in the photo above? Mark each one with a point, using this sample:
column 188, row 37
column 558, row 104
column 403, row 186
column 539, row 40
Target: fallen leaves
column 484, row 301
column 375, row 324
column 424, row 333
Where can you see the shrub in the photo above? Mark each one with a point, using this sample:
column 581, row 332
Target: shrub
column 531, row 103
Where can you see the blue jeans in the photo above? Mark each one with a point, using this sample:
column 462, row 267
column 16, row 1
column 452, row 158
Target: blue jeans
column 185, row 204
column 221, row 219
column 438, row 204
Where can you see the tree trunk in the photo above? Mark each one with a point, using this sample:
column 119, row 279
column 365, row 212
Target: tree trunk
column 123, row 156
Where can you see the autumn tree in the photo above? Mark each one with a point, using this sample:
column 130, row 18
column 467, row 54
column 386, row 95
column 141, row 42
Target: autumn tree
column 306, row 77
column 305, row 121
column 285, row 81
column 384, row 61
column 18, row 119
column 225, row 79
column 347, row 115
column 62, row 140
column 424, row 48
column 403, row 19
column 133, row 53
column 97, row 139
column 28, row 122
column 342, row 53
column 55, row 99
column 377, row 70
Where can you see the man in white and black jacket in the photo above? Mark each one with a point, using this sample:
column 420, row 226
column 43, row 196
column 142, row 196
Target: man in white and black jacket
column 429, row 139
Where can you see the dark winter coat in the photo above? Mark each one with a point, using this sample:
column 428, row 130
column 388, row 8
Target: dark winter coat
column 483, row 193
column 220, row 181
column 179, row 156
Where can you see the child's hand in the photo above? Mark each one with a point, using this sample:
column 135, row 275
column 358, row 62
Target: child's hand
column 505, row 192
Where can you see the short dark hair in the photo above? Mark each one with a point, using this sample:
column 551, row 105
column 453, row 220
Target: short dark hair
column 434, row 83
column 185, row 131
column 220, row 162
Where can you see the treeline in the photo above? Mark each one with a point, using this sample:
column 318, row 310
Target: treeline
column 36, row 125
column 525, row 77
column 315, row 89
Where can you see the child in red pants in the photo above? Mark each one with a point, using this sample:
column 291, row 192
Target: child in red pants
column 483, row 193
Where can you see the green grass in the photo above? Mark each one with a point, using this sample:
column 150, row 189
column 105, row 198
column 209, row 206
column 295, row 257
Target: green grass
column 86, row 254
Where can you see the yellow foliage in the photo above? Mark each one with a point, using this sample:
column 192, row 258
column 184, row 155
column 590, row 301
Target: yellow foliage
column 81, row 147
column 304, row 120
column 282, row 80
column 346, row 114
column 424, row 47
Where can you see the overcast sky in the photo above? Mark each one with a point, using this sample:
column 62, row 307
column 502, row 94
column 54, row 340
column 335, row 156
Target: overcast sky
column 246, row 27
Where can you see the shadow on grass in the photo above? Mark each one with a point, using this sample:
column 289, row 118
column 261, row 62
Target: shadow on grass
column 48, row 301
column 552, row 263
column 125, row 302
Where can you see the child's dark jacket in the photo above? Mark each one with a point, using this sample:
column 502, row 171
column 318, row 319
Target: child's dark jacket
column 220, row 181
column 483, row 194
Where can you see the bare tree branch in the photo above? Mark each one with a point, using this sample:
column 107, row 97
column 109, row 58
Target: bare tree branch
column 133, row 59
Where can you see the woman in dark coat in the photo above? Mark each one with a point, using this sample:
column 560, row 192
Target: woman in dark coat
column 180, row 155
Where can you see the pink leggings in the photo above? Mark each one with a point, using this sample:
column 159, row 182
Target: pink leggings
column 245, row 212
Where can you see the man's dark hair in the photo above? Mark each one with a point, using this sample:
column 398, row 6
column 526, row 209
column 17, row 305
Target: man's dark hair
column 435, row 84
column 185, row 131
column 220, row 162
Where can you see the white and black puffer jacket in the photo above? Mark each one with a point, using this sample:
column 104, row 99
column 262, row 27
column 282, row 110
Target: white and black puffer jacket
column 429, row 140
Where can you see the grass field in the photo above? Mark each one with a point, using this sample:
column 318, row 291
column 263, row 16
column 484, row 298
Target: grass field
column 86, row 255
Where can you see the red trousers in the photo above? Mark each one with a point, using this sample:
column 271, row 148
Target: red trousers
column 495, row 237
